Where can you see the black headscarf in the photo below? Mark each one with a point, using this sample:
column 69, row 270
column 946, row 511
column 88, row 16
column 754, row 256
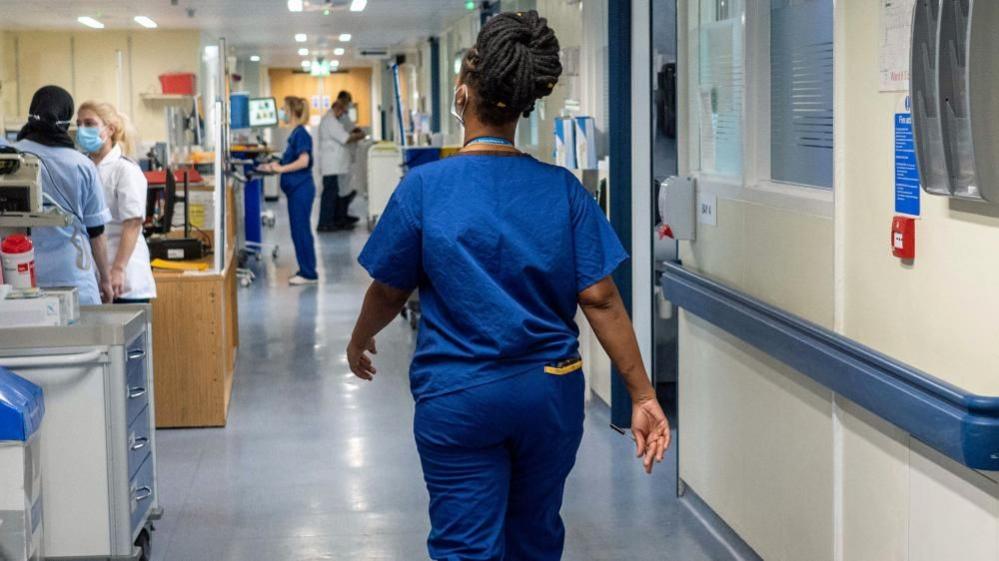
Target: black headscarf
column 48, row 118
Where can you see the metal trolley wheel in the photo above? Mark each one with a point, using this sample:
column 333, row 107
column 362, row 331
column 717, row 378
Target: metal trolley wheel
column 144, row 544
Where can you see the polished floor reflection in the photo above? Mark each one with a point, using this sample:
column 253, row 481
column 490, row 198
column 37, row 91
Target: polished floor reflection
column 317, row 465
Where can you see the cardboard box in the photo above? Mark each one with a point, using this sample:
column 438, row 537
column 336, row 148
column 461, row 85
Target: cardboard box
column 586, row 143
column 43, row 311
column 565, row 142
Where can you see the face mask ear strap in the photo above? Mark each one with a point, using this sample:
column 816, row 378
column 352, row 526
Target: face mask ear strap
column 459, row 115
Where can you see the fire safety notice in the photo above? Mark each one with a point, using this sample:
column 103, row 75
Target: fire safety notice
column 906, row 168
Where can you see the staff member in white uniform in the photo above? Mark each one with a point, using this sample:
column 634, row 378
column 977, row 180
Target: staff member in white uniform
column 102, row 133
column 334, row 162
column 63, row 256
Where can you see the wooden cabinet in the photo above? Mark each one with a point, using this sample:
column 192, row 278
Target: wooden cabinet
column 195, row 339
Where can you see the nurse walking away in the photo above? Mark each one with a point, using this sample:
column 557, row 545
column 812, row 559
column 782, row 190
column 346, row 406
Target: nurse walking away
column 102, row 133
column 502, row 248
column 75, row 255
column 297, row 184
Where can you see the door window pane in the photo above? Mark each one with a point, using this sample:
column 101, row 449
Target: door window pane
column 801, row 96
column 721, row 83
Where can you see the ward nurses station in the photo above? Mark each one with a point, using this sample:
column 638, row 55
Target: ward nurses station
column 499, row 280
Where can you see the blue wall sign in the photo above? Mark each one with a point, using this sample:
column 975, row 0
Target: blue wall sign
column 906, row 170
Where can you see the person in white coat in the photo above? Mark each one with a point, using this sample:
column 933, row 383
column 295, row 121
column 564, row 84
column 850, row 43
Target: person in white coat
column 336, row 134
column 103, row 135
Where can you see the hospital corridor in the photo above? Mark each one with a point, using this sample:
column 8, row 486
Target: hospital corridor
column 499, row 280
column 316, row 464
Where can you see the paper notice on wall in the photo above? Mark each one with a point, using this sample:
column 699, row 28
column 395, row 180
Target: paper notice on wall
column 896, row 38
column 708, row 126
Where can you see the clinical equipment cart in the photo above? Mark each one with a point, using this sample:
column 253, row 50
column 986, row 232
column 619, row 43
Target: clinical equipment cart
column 98, row 447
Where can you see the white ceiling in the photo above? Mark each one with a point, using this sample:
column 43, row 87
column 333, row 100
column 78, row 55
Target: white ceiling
column 261, row 27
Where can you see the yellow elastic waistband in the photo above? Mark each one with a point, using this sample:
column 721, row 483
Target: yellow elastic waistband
column 564, row 369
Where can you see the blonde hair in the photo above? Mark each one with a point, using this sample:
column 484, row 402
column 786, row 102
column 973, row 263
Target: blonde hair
column 298, row 107
column 124, row 132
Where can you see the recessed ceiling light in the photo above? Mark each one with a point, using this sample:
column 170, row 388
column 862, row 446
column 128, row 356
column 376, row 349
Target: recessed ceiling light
column 301, row 37
column 145, row 22
column 306, row 63
column 295, row 5
column 255, row 58
column 303, row 52
column 90, row 22
column 334, row 62
column 358, row 5
column 345, row 37
column 339, row 51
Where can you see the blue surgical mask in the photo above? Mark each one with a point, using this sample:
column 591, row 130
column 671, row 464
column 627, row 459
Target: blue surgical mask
column 283, row 115
column 89, row 139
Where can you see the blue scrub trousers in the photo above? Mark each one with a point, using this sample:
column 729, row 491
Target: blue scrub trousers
column 495, row 459
column 300, row 199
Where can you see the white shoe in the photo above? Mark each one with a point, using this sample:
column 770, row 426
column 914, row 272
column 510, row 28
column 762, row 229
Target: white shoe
column 299, row 280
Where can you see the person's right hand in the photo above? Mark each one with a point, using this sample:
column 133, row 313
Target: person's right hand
column 359, row 361
column 650, row 427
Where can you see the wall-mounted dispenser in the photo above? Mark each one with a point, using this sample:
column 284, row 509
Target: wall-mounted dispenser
column 955, row 107
column 678, row 207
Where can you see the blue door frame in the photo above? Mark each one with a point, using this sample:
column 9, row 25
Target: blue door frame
column 619, row 78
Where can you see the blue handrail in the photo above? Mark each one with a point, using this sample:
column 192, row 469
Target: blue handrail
column 957, row 423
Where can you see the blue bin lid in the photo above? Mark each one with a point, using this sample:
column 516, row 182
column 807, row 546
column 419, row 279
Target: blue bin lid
column 22, row 407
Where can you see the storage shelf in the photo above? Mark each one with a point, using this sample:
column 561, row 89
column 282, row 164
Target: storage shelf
column 166, row 97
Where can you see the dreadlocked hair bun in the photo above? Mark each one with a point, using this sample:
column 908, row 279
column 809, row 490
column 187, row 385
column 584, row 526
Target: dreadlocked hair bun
column 514, row 63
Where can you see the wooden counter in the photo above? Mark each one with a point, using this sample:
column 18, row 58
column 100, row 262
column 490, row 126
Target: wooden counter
column 195, row 339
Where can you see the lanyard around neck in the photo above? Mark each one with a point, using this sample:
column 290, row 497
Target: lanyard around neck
column 494, row 140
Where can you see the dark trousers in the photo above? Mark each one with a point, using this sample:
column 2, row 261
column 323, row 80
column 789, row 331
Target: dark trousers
column 300, row 198
column 328, row 215
column 495, row 459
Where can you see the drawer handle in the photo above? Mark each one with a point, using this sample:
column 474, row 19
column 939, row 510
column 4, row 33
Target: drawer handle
column 135, row 393
column 142, row 493
column 137, row 354
column 139, row 443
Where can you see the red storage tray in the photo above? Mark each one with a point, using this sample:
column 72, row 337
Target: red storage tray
column 178, row 83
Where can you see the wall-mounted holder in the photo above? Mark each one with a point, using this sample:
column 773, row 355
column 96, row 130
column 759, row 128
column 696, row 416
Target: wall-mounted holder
column 678, row 206
column 955, row 110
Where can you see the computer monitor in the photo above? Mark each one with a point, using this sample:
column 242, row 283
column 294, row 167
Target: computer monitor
column 263, row 112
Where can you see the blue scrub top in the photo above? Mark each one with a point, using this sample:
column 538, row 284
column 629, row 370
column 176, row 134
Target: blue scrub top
column 71, row 179
column 500, row 247
column 299, row 142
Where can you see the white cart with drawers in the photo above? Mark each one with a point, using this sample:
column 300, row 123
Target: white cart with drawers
column 98, row 444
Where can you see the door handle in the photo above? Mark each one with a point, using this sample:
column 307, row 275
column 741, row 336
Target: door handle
column 135, row 393
column 142, row 493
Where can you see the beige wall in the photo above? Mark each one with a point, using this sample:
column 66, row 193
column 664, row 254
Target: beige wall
column 86, row 64
column 941, row 313
column 800, row 473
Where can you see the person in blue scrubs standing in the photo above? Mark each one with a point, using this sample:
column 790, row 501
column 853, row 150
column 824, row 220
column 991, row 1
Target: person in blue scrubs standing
column 297, row 184
column 75, row 255
column 502, row 248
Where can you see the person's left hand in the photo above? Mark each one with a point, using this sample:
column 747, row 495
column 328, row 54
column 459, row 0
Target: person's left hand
column 359, row 361
column 117, row 282
column 269, row 167
column 107, row 292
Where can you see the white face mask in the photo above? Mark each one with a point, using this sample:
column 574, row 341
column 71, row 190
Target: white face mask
column 454, row 105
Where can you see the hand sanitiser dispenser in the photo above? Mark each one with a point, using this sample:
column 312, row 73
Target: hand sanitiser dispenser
column 955, row 109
